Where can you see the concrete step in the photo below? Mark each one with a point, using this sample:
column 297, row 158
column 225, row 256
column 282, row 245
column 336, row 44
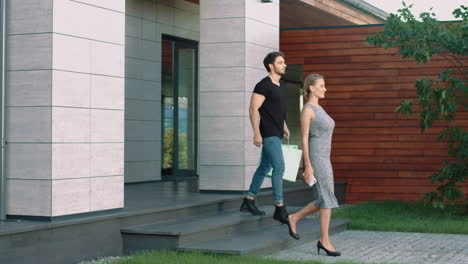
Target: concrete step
column 294, row 195
column 266, row 240
column 200, row 224
column 192, row 230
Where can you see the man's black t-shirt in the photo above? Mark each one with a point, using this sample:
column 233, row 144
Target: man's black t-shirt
column 273, row 110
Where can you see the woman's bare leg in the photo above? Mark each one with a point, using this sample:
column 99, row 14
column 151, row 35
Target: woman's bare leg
column 325, row 215
column 305, row 211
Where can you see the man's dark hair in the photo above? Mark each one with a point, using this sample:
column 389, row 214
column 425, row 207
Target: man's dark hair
column 270, row 59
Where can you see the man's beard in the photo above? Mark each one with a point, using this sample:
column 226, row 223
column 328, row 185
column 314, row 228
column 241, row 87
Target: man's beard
column 280, row 72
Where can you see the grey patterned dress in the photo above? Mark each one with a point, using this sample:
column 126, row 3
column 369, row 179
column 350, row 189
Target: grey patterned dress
column 320, row 137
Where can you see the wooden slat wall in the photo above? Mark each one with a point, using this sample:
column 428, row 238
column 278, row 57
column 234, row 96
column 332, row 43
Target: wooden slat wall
column 380, row 154
column 194, row 1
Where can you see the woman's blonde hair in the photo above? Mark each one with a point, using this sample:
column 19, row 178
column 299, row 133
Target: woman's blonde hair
column 308, row 81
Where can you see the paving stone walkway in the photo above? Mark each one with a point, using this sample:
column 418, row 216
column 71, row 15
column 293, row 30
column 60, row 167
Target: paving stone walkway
column 387, row 247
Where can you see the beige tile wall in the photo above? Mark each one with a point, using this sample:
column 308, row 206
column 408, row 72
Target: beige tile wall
column 65, row 106
column 235, row 36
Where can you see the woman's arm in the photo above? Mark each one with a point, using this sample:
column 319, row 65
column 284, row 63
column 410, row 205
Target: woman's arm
column 307, row 117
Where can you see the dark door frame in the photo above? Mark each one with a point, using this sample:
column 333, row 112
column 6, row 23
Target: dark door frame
column 176, row 173
column 2, row 108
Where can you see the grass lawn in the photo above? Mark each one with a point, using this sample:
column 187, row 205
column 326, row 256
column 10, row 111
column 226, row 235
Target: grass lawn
column 169, row 257
column 403, row 217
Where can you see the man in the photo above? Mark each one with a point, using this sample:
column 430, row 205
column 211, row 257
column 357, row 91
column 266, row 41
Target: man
column 267, row 116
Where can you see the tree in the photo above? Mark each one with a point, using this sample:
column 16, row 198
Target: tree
column 168, row 148
column 439, row 99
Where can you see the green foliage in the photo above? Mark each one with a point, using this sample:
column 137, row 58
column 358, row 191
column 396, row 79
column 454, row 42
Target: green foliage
column 168, row 148
column 420, row 40
column 424, row 38
column 168, row 151
column 183, row 152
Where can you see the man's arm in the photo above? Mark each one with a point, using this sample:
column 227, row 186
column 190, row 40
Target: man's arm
column 256, row 102
column 286, row 133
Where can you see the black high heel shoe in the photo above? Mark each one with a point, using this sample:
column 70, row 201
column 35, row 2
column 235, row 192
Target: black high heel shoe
column 291, row 233
column 329, row 253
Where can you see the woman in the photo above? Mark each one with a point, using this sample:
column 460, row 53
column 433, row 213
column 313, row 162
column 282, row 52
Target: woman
column 316, row 133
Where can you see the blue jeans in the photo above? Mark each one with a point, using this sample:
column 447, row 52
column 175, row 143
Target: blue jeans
column 272, row 157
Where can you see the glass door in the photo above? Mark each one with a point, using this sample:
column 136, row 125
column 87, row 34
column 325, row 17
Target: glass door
column 179, row 108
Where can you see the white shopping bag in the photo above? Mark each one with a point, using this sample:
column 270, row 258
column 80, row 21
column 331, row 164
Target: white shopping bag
column 292, row 159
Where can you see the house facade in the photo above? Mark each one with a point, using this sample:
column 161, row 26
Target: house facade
column 102, row 94
column 381, row 154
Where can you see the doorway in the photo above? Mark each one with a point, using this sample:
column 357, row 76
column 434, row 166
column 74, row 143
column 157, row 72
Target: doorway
column 179, row 102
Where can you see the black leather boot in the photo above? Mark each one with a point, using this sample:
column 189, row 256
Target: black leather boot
column 281, row 214
column 248, row 206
